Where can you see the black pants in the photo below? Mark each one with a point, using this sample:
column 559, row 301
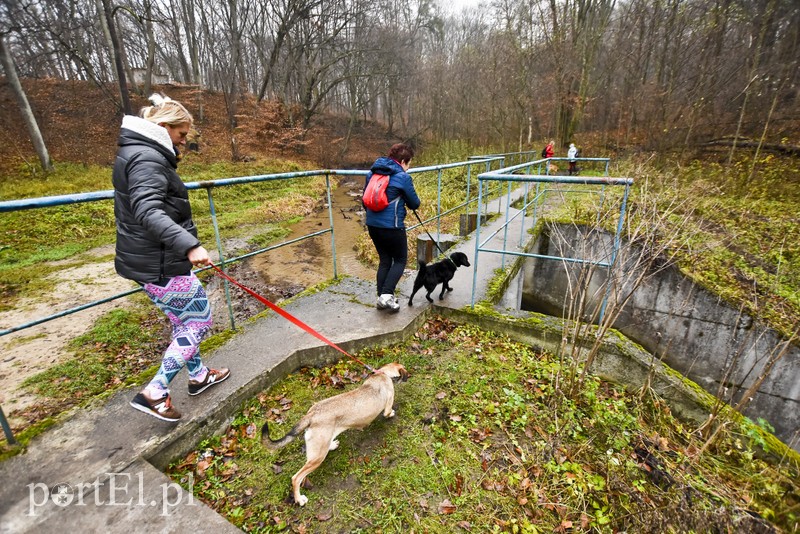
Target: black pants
column 392, row 247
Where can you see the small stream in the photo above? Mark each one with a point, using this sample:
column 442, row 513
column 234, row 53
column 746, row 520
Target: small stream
column 310, row 261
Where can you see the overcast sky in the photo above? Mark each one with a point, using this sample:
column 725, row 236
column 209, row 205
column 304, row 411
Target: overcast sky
column 455, row 6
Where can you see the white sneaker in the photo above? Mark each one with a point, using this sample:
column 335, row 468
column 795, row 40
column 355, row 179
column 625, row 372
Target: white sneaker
column 383, row 301
column 387, row 300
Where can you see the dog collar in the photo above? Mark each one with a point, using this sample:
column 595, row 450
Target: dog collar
column 451, row 261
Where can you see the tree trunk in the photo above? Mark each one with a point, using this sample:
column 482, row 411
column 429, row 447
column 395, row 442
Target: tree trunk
column 753, row 78
column 151, row 48
column 24, row 107
column 116, row 52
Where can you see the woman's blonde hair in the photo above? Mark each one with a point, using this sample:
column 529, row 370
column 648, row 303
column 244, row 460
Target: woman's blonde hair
column 166, row 111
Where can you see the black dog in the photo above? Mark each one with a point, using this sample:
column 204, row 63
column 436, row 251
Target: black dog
column 437, row 273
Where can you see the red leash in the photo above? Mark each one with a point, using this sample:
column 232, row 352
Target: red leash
column 288, row 316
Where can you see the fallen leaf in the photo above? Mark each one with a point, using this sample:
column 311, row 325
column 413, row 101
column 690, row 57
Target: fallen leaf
column 441, row 395
column 446, row 507
column 202, row 465
column 324, row 516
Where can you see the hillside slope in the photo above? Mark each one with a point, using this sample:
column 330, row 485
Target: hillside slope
column 80, row 123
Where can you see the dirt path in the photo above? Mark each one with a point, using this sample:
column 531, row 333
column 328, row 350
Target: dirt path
column 32, row 350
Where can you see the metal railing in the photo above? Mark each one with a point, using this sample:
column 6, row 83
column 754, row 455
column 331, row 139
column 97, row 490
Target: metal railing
column 63, row 200
column 506, row 175
column 96, row 196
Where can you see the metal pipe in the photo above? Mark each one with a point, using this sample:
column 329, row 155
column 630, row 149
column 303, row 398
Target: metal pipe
column 67, row 312
column 544, row 256
column 587, row 180
column 330, row 219
column 438, row 208
column 469, row 179
column 617, row 243
column 505, row 226
column 477, row 241
column 7, row 429
column 226, row 285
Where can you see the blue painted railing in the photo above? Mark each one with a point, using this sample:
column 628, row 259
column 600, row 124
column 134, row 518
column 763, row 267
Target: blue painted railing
column 64, row 200
column 508, row 175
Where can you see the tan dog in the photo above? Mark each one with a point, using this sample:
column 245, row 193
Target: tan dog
column 330, row 417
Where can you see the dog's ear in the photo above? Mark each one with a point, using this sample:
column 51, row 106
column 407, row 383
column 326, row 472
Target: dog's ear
column 403, row 373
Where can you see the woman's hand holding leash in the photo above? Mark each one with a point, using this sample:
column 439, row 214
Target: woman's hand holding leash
column 199, row 257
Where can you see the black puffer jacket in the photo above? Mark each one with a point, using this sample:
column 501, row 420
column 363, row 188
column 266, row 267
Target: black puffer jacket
column 155, row 230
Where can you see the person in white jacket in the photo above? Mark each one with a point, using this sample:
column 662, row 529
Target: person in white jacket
column 572, row 155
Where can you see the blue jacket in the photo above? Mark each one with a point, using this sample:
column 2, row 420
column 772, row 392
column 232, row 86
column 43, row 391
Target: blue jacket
column 400, row 193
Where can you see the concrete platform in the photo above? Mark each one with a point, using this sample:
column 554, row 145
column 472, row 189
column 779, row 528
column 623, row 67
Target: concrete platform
column 100, row 471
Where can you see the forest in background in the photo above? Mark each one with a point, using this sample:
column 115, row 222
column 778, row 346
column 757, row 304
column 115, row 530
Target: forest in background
column 650, row 74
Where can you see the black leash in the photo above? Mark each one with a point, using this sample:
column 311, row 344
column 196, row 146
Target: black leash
column 432, row 239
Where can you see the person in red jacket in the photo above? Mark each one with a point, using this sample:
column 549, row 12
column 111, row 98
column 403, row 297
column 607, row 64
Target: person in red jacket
column 549, row 150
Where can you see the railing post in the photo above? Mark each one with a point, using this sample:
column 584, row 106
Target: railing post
column 438, row 207
column 500, row 189
column 330, row 219
column 477, row 244
column 469, row 178
column 505, row 226
column 617, row 238
column 524, row 210
column 213, row 211
column 7, row 429
column 480, row 191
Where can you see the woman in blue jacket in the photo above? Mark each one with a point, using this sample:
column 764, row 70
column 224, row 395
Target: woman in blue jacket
column 387, row 227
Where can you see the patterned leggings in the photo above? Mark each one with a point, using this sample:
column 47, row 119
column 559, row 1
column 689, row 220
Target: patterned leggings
column 184, row 301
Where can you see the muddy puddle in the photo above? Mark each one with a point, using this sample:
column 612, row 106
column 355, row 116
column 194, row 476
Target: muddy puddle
column 310, row 261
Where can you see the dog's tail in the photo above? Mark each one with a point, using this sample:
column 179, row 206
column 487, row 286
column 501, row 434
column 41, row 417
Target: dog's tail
column 275, row 444
column 421, row 265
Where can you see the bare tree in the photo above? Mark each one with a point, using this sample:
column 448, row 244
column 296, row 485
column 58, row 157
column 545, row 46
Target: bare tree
column 24, row 107
column 116, row 50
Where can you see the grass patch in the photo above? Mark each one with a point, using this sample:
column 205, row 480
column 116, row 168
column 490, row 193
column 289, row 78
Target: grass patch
column 116, row 351
column 484, row 440
column 743, row 242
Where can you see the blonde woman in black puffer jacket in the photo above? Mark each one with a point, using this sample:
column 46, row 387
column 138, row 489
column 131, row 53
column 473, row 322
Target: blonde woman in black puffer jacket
column 157, row 245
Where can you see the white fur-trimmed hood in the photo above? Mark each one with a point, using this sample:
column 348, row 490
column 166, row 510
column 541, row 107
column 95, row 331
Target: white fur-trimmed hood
column 148, row 129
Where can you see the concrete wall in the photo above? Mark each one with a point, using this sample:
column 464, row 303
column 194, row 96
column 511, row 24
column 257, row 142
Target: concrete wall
column 694, row 331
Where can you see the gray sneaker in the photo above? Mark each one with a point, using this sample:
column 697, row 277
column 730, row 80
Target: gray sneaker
column 394, row 304
column 385, row 301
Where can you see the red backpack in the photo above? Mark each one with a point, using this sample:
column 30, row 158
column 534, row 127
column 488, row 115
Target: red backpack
column 375, row 194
